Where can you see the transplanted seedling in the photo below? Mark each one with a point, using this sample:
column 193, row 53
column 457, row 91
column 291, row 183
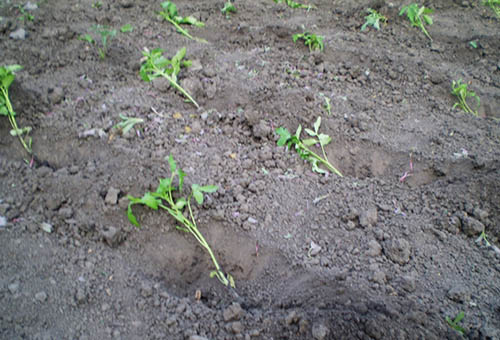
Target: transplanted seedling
column 179, row 207
column 228, row 8
column 454, row 323
column 127, row 123
column 313, row 41
column 106, row 35
column 170, row 14
column 374, row 19
column 293, row 4
column 494, row 5
column 156, row 65
column 302, row 146
column 418, row 16
column 7, row 76
column 460, row 90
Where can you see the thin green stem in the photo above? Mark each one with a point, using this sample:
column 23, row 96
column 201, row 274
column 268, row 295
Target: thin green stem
column 183, row 31
column 177, row 86
column 318, row 157
column 12, row 120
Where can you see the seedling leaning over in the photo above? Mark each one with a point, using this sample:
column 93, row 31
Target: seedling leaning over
column 418, row 16
column 313, row 41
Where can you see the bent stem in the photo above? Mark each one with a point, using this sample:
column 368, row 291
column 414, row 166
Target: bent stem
column 12, row 120
column 318, row 157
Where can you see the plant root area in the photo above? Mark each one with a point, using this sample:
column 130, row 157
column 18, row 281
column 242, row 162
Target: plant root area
column 397, row 248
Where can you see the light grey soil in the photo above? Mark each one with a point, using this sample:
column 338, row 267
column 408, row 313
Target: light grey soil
column 371, row 255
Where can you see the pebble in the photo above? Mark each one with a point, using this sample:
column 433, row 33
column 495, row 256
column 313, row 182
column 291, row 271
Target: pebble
column 197, row 337
column 237, row 327
column 41, row 296
column 13, row 287
column 320, row 331
column 146, row 289
column 19, row 34
column 471, row 226
column 292, row 318
column 46, row 227
column 56, row 95
column 111, row 235
column 233, row 312
column 80, row 296
column 368, row 217
column 315, row 249
column 374, row 248
column 112, row 196
column 30, row 6
column 398, row 250
column 3, row 221
column 459, row 293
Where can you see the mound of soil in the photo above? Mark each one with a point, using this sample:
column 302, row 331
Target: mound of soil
column 391, row 250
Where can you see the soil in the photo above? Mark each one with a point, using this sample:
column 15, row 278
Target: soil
column 375, row 254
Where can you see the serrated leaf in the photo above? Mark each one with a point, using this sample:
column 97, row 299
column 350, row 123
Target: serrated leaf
column 284, row 136
column 310, row 141
column 428, row 19
column 149, row 200
column 317, row 124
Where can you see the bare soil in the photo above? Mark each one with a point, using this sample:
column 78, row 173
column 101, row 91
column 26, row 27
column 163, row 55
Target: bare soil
column 371, row 255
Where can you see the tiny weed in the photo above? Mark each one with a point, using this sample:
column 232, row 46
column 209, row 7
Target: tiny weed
column 473, row 43
column 293, row 4
column 7, row 76
column 302, row 146
column 179, row 208
column 494, row 5
column 97, row 5
column 127, row 123
column 106, row 35
column 373, row 19
column 328, row 105
column 418, row 16
column 313, row 41
column 460, row 90
column 170, row 14
column 25, row 16
column 126, row 28
column 228, row 8
column 483, row 237
column 454, row 323
column 156, row 65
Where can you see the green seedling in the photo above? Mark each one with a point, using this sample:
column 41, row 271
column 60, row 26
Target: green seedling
column 156, row 65
column 179, row 207
column 313, row 41
column 473, row 43
column 302, row 146
column 7, row 76
column 106, row 35
column 127, row 28
column 228, row 8
column 127, row 123
column 454, row 323
column 418, row 16
column 460, row 90
column 483, row 237
column 327, row 105
column 170, row 14
column 25, row 16
column 494, row 5
column 373, row 19
column 293, row 4
column 97, row 5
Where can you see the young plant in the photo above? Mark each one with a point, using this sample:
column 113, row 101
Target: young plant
column 7, row 76
column 373, row 19
column 106, row 35
column 127, row 28
column 293, row 4
column 170, row 14
column 156, row 65
column 313, row 41
column 228, row 8
column 454, row 323
column 494, row 5
column 418, row 16
column 179, row 207
column 127, row 123
column 460, row 90
column 327, row 105
column 302, row 146
column 25, row 16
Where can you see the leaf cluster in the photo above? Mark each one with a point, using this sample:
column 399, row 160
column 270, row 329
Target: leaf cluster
column 127, row 123
column 461, row 91
column 7, row 77
column 313, row 41
column 156, row 65
column 418, row 16
column 179, row 208
column 494, row 5
column 25, row 15
column 302, row 146
column 293, row 4
column 106, row 35
column 454, row 323
column 373, row 19
column 170, row 14
column 228, row 8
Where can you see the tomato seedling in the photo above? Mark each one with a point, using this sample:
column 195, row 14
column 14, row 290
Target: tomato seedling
column 460, row 90
column 494, row 5
column 170, row 14
column 106, row 35
column 228, row 8
column 7, row 76
column 293, row 4
column 373, row 19
column 179, row 208
column 302, row 146
column 454, row 323
column 156, row 65
column 418, row 16
column 313, row 41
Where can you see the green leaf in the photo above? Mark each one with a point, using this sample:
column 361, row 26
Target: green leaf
column 198, row 196
column 4, row 111
column 298, row 132
column 324, row 139
column 130, row 214
column 428, row 19
column 284, row 136
column 310, row 141
column 186, row 230
column 181, row 203
column 149, row 200
column 164, row 186
column 209, row 188
column 173, row 165
column 7, row 80
column 310, row 132
column 317, row 124
column 126, row 28
column 315, row 166
column 190, row 20
column 181, row 174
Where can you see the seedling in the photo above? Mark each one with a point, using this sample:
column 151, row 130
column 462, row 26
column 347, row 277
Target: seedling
column 418, row 16
column 156, row 65
column 228, row 8
column 313, row 41
column 460, row 90
column 293, row 4
column 7, row 76
column 127, row 123
column 494, row 5
column 97, row 5
column 483, row 237
column 454, row 323
column 327, row 105
column 373, row 19
column 127, row 28
column 302, row 146
column 106, row 35
column 179, row 208
column 25, row 16
column 473, row 43
column 170, row 14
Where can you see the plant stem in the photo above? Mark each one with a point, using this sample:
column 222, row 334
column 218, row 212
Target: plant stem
column 424, row 30
column 183, row 31
column 177, row 86
column 12, row 120
column 324, row 161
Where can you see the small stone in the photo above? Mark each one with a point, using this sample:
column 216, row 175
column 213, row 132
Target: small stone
column 368, row 217
column 41, row 296
column 315, row 249
column 3, row 221
column 398, row 250
column 111, row 235
column 459, row 293
column 233, row 312
column 320, row 331
column 66, row 212
column 237, row 327
column 13, row 287
column 56, row 95
column 350, row 225
column 19, row 34
column 192, row 86
column 46, row 227
column 80, row 296
column 471, row 226
column 292, row 318
column 197, row 337
column 408, row 283
column 112, row 196
column 30, row 6
column 481, row 214
column 262, row 129
column 146, row 289
column 161, row 84
column 126, row 3
column 374, row 248
column 379, row 277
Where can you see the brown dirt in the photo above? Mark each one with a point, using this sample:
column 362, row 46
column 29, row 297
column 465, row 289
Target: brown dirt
column 366, row 256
